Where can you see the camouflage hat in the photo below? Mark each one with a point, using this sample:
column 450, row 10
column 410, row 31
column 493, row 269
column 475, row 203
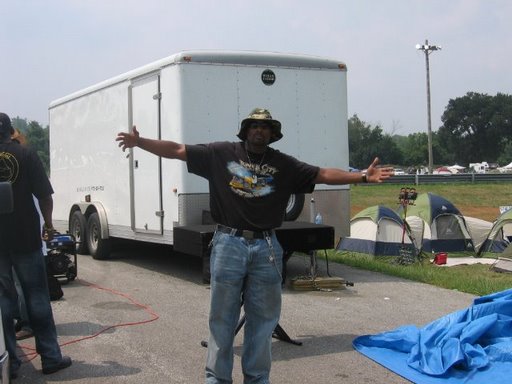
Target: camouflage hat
column 259, row 115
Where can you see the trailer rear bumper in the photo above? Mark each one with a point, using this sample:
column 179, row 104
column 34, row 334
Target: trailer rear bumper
column 293, row 236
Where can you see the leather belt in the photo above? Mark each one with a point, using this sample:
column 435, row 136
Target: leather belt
column 246, row 234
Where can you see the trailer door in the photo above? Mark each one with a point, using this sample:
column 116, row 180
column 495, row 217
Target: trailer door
column 146, row 177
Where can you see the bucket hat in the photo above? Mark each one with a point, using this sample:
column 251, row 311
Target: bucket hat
column 259, row 115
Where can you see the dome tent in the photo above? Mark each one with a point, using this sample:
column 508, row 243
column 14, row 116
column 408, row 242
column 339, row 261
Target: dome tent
column 376, row 230
column 478, row 229
column 498, row 238
column 437, row 225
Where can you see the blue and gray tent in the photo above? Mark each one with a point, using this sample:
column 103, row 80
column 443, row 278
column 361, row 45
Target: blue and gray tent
column 376, row 230
column 437, row 225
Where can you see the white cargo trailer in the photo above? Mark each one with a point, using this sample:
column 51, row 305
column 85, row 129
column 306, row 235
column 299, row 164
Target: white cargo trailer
column 190, row 97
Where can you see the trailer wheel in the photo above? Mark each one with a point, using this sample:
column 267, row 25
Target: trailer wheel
column 294, row 207
column 98, row 248
column 78, row 228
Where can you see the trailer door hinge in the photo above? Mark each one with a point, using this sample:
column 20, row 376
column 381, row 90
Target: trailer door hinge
column 159, row 213
column 157, row 96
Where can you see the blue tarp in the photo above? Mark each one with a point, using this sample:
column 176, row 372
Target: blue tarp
column 472, row 345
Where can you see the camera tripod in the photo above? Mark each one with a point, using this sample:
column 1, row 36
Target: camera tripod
column 278, row 333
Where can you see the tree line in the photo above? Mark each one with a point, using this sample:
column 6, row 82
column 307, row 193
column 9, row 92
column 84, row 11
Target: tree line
column 476, row 127
column 37, row 137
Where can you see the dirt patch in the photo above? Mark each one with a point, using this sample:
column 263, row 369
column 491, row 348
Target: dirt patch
column 489, row 213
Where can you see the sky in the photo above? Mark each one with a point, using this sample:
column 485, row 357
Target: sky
column 51, row 48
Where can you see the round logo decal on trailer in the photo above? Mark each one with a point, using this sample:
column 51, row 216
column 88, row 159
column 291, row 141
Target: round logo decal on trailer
column 268, row 77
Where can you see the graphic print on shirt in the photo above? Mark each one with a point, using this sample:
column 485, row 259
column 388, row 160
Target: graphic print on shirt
column 9, row 167
column 251, row 180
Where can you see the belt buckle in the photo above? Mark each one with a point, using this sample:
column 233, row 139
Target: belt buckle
column 249, row 235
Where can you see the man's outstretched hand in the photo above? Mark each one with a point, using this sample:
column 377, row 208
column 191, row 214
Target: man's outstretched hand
column 376, row 174
column 128, row 139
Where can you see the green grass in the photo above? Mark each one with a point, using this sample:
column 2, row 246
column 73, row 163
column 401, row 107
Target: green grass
column 477, row 279
column 477, row 200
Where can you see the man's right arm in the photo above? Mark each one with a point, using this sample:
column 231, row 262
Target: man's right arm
column 164, row 148
column 46, row 208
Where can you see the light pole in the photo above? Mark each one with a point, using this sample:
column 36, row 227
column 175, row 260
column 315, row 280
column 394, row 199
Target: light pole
column 427, row 48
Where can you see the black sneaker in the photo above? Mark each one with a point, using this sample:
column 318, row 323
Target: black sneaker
column 14, row 370
column 18, row 325
column 64, row 363
column 23, row 334
column 14, row 374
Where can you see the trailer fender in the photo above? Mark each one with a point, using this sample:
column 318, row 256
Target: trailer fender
column 89, row 208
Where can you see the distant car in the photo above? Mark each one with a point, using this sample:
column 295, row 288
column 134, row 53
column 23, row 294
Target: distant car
column 399, row 171
column 442, row 171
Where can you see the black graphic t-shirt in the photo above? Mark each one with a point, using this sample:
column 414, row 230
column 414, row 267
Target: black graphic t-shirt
column 20, row 231
column 247, row 190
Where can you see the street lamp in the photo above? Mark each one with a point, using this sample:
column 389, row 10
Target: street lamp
column 427, row 48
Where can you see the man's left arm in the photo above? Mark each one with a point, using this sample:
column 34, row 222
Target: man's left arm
column 335, row 176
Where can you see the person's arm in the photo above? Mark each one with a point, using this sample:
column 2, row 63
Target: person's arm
column 335, row 176
column 163, row 148
column 46, row 208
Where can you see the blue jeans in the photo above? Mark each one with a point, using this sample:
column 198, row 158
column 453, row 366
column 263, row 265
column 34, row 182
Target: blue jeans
column 22, row 314
column 31, row 271
column 250, row 269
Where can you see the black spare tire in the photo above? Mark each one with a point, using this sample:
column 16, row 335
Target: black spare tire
column 294, row 207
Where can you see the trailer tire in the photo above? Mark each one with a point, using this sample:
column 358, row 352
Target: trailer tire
column 98, row 248
column 78, row 229
column 294, row 207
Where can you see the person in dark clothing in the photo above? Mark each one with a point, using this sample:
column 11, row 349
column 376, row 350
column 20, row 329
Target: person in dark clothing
column 20, row 248
column 250, row 184
column 23, row 328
